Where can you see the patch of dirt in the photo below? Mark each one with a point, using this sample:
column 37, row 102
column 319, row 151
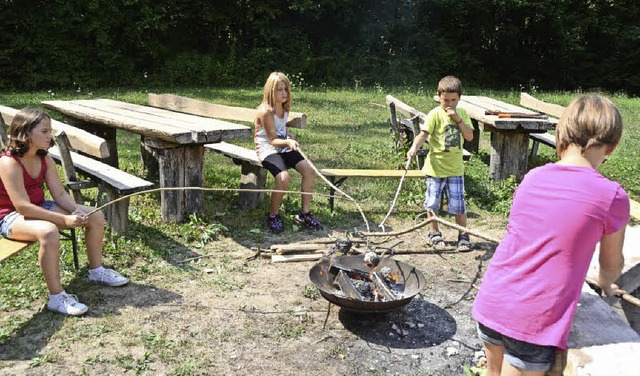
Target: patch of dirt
column 226, row 316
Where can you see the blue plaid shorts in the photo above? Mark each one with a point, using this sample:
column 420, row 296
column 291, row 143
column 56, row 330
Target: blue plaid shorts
column 453, row 186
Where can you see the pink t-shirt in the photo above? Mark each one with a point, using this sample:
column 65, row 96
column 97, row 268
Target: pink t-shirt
column 532, row 285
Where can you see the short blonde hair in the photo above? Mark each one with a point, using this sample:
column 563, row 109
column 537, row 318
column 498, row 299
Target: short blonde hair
column 589, row 121
column 270, row 90
column 450, row 84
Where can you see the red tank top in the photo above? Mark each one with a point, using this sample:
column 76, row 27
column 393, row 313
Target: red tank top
column 32, row 185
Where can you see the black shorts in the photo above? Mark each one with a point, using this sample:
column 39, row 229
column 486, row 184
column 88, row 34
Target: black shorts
column 276, row 163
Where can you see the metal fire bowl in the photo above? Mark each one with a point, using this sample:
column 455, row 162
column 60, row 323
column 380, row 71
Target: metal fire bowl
column 413, row 279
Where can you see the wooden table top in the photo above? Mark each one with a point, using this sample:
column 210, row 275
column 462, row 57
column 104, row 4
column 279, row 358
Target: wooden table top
column 477, row 105
column 151, row 122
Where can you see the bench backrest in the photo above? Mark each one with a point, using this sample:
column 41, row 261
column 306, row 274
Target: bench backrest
column 79, row 139
column 552, row 109
column 196, row 107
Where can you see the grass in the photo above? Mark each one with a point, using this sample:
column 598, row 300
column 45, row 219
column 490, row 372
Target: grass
column 346, row 129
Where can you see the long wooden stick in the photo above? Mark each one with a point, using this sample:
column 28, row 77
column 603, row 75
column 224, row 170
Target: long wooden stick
column 436, row 219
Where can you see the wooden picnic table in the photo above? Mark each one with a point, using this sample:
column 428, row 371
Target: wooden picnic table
column 174, row 141
column 509, row 136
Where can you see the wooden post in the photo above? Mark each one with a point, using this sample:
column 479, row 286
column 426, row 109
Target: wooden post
column 117, row 214
column 509, row 155
column 253, row 177
column 179, row 166
column 473, row 145
column 149, row 161
column 193, row 177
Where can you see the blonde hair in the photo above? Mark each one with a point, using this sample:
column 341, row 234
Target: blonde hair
column 270, row 90
column 450, row 84
column 589, row 121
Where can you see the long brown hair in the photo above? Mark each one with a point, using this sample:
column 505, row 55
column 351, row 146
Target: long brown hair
column 20, row 129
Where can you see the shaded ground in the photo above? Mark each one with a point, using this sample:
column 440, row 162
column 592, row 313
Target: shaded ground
column 225, row 316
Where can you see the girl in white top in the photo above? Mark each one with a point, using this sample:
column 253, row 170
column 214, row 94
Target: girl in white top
column 277, row 149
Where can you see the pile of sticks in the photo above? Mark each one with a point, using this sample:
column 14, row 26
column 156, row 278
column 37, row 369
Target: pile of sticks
column 303, row 251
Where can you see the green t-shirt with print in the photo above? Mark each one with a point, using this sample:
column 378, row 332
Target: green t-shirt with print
column 445, row 143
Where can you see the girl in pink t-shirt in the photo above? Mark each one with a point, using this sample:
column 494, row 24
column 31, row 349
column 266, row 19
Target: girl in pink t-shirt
column 560, row 211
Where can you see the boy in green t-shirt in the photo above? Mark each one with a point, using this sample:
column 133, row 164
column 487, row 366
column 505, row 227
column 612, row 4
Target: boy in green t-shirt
column 444, row 166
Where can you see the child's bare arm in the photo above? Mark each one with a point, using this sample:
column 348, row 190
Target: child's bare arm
column 58, row 193
column 611, row 261
column 467, row 132
column 417, row 143
column 266, row 120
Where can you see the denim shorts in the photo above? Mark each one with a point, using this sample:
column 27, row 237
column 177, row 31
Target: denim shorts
column 523, row 355
column 454, row 189
column 7, row 221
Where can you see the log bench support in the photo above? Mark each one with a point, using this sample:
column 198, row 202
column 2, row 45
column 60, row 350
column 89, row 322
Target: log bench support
column 509, row 155
column 253, row 175
column 178, row 166
column 113, row 182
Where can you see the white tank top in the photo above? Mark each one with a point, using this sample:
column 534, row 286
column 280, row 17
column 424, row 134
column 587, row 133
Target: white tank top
column 263, row 146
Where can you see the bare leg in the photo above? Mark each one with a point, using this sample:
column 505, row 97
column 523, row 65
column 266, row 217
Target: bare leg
column 94, row 238
column 46, row 233
column 308, row 180
column 509, row 370
column 496, row 366
column 282, row 183
column 495, row 358
column 461, row 220
column 433, row 226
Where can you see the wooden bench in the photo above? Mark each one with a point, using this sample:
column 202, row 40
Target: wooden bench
column 253, row 175
column 70, row 142
column 555, row 110
column 337, row 176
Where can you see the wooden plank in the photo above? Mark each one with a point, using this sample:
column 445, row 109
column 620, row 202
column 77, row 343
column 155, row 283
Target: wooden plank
column 235, row 151
column 79, row 139
column 124, row 182
column 404, row 108
column 10, row 248
column 538, row 105
column 545, row 138
column 164, row 125
column 477, row 105
column 371, row 173
column 193, row 106
column 295, row 258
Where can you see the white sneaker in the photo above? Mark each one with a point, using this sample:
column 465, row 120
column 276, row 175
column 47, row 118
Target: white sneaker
column 108, row 277
column 67, row 304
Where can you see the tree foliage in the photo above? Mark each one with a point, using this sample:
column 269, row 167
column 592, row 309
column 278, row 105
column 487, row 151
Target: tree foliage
column 554, row 44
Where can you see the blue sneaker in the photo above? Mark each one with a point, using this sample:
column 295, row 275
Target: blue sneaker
column 274, row 222
column 308, row 220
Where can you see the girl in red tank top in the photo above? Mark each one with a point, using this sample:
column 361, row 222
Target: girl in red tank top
column 25, row 168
